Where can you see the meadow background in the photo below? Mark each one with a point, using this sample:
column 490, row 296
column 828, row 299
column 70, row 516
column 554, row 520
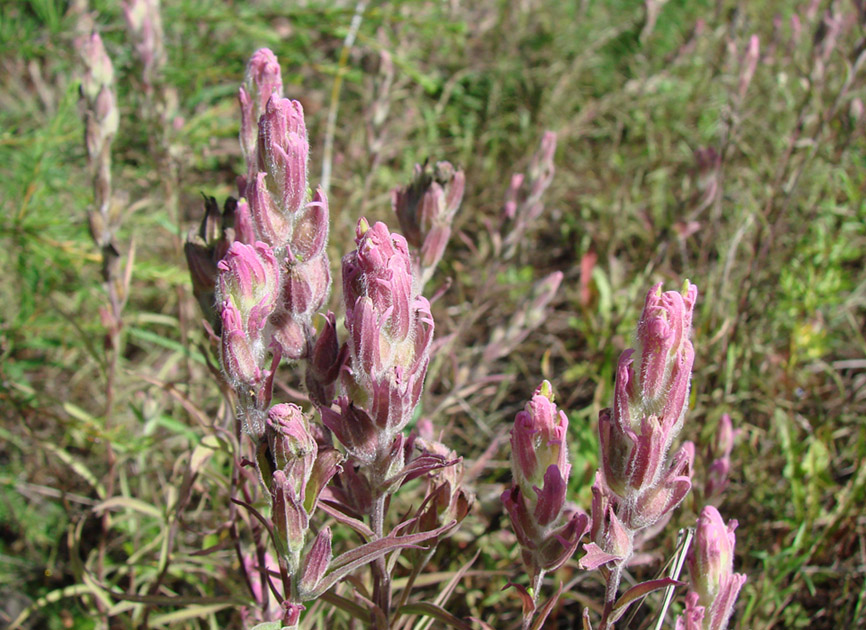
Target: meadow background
column 772, row 233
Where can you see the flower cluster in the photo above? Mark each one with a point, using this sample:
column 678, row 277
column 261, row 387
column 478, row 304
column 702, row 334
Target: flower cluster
column 641, row 483
column 715, row 586
column 101, row 119
column 390, row 329
column 548, row 532
column 426, row 209
column 266, row 253
column 263, row 261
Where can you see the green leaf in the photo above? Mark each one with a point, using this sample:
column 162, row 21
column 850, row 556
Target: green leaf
column 129, row 503
column 436, row 612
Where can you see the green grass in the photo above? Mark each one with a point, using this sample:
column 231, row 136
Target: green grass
column 779, row 261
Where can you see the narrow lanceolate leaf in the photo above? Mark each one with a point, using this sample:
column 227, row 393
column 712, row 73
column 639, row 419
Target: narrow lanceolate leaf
column 545, row 610
column 525, row 597
column 422, row 464
column 131, row 504
column 347, row 605
column 192, row 612
column 637, row 592
column 345, row 519
column 436, row 612
column 345, row 563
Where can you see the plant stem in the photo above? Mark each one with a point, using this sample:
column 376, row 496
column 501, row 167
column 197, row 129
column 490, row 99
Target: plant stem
column 534, row 587
column 381, row 578
column 613, row 579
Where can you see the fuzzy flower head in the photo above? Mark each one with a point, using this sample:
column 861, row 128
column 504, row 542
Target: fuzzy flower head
column 247, row 293
column 665, row 353
column 391, row 326
column 263, row 79
column 248, row 279
column 283, row 151
column 262, row 82
column 650, row 395
column 714, row 585
column 538, row 441
column 390, row 329
column 292, row 445
column 711, row 561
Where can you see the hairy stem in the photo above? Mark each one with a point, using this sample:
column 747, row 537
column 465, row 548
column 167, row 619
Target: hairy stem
column 381, row 577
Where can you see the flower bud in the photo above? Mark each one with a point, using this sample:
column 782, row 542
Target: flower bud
column 289, row 335
column 283, row 150
column 290, row 519
column 207, row 245
column 270, row 224
column 711, row 558
column 310, row 231
column 99, row 71
column 325, row 362
column 291, row 615
column 247, row 296
column 242, row 221
column 653, row 503
column 663, row 337
column 239, row 357
column 426, row 208
column 248, row 278
column 354, row 428
column 293, row 448
column 327, row 464
column 306, row 286
column 561, row 544
column 525, row 527
column 316, row 563
column 538, row 441
column 693, row 615
column 609, row 536
column 431, row 199
column 711, row 564
column 263, row 80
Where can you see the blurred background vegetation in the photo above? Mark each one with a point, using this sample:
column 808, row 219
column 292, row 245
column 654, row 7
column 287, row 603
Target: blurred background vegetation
column 666, row 170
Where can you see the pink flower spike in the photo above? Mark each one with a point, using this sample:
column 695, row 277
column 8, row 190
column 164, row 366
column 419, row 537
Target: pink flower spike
column 248, row 277
column 711, row 560
column 263, row 78
column 538, row 441
column 714, row 584
column 663, row 335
